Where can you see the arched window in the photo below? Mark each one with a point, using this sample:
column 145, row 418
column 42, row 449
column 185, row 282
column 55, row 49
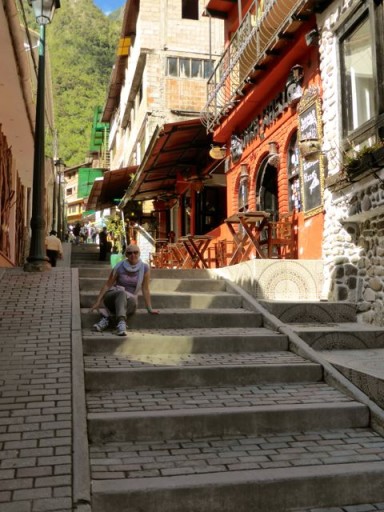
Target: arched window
column 242, row 197
column 293, row 167
column 266, row 189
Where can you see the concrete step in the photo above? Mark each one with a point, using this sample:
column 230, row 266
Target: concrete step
column 102, row 270
column 364, row 368
column 183, row 319
column 125, row 371
column 271, row 472
column 339, row 336
column 194, row 341
column 312, row 312
column 192, row 300
column 164, row 285
column 178, row 413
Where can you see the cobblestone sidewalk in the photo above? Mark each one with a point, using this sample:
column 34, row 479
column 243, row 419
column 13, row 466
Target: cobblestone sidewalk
column 36, row 469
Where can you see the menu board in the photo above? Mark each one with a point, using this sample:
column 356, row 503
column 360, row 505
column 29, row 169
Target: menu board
column 311, row 167
column 312, row 186
column 308, row 123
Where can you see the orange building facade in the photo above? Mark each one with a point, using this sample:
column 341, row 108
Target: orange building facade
column 269, row 121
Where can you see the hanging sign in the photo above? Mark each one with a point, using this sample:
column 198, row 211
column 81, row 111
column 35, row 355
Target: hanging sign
column 217, row 153
column 311, row 163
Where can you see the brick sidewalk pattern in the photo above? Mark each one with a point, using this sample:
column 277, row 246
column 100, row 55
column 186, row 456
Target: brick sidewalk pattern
column 35, row 391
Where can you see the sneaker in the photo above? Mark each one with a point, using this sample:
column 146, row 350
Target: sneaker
column 121, row 329
column 101, row 325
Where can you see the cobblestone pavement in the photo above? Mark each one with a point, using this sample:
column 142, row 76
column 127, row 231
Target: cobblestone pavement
column 230, row 453
column 35, row 391
column 367, row 507
column 148, row 360
column 134, row 400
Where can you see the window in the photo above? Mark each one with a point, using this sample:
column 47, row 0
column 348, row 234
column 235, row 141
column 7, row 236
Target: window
column 360, row 104
column 190, row 9
column 294, row 194
column 361, row 39
column 184, row 67
column 266, row 189
column 196, row 68
column 208, row 68
column 172, row 68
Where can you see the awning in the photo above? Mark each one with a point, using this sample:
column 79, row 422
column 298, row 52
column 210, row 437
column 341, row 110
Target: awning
column 219, row 8
column 109, row 190
column 180, row 148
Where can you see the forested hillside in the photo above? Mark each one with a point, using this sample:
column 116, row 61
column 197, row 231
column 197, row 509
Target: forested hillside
column 82, row 43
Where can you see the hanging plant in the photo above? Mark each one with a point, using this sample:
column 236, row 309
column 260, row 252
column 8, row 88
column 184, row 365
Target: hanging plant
column 369, row 157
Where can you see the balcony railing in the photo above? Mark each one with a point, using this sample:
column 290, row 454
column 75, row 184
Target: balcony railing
column 261, row 29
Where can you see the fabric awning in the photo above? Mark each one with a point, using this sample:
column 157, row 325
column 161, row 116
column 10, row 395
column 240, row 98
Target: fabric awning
column 109, row 190
column 180, row 148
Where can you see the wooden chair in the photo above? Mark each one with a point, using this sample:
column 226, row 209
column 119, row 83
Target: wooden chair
column 223, row 252
column 280, row 242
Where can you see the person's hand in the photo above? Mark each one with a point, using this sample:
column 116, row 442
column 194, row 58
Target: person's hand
column 153, row 311
column 95, row 307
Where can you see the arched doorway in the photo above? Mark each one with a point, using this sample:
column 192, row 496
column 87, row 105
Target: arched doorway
column 266, row 189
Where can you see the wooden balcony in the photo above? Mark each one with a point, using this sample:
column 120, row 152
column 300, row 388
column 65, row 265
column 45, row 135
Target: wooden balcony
column 262, row 35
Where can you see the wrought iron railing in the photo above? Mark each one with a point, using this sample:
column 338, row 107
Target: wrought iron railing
column 257, row 34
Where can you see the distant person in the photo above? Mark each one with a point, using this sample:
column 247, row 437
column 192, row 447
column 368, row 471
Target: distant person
column 76, row 232
column 53, row 247
column 120, row 292
column 103, row 243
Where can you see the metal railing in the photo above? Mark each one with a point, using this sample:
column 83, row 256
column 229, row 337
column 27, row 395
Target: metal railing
column 258, row 32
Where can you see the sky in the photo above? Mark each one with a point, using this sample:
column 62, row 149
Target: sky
column 108, row 6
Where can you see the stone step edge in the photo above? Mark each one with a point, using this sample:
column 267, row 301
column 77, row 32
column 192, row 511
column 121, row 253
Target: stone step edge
column 97, row 379
column 148, row 344
column 267, row 489
column 184, row 311
column 225, row 411
column 174, row 293
column 330, row 327
column 138, row 335
column 254, row 420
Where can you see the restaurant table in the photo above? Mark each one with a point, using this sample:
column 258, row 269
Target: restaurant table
column 195, row 246
column 250, row 226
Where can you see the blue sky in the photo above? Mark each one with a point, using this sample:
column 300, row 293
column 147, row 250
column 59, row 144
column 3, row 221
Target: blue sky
column 108, row 6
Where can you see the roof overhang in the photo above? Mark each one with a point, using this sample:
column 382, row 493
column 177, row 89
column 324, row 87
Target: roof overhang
column 131, row 12
column 219, row 8
column 175, row 150
column 109, row 190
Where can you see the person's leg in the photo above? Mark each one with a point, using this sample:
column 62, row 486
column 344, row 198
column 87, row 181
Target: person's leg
column 103, row 252
column 116, row 302
column 52, row 255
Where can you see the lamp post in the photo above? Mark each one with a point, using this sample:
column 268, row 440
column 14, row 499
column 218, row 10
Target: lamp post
column 37, row 260
column 59, row 164
column 54, row 199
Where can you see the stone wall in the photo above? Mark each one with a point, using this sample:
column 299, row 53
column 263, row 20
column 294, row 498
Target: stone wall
column 353, row 247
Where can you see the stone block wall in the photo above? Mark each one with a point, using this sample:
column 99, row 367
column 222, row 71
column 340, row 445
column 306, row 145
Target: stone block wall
column 353, row 246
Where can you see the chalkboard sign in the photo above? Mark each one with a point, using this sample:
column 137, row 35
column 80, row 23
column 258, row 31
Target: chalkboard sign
column 308, row 123
column 311, row 186
column 311, row 165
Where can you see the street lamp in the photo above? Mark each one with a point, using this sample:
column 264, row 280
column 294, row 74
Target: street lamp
column 37, row 260
column 59, row 164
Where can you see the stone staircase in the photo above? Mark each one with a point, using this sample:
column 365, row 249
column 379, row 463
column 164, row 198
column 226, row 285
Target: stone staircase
column 204, row 408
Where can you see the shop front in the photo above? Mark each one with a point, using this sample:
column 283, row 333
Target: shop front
column 271, row 124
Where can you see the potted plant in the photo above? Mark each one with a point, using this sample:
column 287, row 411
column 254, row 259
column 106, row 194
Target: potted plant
column 369, row 157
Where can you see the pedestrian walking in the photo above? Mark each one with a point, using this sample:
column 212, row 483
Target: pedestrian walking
column 103, row 243
column 53, row 247
column 120, row 292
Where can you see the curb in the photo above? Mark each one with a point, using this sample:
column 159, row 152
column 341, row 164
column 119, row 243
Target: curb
column 80, row 456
